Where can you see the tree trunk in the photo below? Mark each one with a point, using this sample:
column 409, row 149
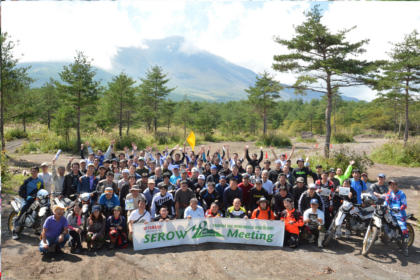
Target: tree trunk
column 24, row 122
column 78, row 123
column 335, row 129
column 265, row 124
column 407, row 121
column 49, row 119
column 121, row 114
column 128, row 122
column 185, row 130
column 328, row 119
column 395, row 117
column 3, row 142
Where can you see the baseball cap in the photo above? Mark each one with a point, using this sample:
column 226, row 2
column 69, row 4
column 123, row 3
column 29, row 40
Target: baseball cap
column 102, row 167
column 332, row 170
column 364, row 174
column 213, row 167
column 141, row 158
column 300, row 159
column 151, row 181
column 184, row 171
column 96, row 208
column 278, row 161
column 90, row 164
column 125, row 171
column 82, row 161
column 202, row 177
column 381, row 175
column 109, row 190
column 44, row 164
column 245, row 175
column 175, row 167
column 391, row 181
column 311, row 186
column 314, row 201
column 194, row 170
column 222, row 177
column 258, row 181
column 300, row 180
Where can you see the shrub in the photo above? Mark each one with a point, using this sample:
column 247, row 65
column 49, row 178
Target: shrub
column 341, row 137
column 5, row 176
column 393, row 152
column 274, row 140
column 341, row 158
column 15, row 133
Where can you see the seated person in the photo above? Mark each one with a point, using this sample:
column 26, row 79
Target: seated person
column 194, row 211
column 134, row 195
column 314, row 219
column 208, row 196
column 263, row 212
column 163, row 215
column 214, row 212
column 108, row 201
column 75, row 222
column 236, row 211
column 292, row 221
column 55, row 231
column 116, row 228
column 141, row 215
column 96, row 229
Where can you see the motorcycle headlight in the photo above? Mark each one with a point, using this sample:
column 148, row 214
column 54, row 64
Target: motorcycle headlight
column 380, row 212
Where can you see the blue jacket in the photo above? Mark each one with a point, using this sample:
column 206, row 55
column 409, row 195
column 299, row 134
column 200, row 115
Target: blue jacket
column 84, row 186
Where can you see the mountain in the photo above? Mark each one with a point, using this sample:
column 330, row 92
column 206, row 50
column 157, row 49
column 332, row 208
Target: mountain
column 199, row 74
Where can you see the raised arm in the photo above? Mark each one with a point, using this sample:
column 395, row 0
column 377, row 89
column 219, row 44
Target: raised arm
column 274, row 154
column 291, row 153
column 246, row 154
column 81, row 151
column 261, row 155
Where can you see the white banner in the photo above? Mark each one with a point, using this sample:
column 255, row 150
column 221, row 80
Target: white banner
column 201, row 230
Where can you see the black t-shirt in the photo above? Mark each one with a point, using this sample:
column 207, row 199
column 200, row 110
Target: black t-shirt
column 255, row 195
column 304, row 172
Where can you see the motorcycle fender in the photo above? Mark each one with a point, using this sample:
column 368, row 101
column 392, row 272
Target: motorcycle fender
column 377, row 221
column 85, row 208
column 368, row 229
column 15, row 206
column 42, row 211
column 340, row 218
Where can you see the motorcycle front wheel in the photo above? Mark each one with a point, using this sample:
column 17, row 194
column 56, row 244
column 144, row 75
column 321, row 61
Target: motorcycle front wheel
column 11, row 223
column 331, row 235
column 371, row 237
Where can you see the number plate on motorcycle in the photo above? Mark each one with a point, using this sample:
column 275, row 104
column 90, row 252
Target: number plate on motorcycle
column 344, row 191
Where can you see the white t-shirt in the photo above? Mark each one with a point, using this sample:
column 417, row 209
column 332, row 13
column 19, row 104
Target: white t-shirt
column 121, row 183
column 135, row 215
column 268, row 186
column 313, row 215
column 47, row 178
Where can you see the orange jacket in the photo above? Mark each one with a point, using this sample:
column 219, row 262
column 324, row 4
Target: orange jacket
column 263, row 214
column 288, row 216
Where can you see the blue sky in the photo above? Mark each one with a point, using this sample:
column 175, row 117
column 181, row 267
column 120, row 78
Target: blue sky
column 240, row 32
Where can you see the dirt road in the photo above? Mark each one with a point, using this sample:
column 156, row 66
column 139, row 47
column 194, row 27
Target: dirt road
column 342, row 259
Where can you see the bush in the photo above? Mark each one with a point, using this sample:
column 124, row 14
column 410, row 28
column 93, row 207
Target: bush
column 5, row 176
column 274, row 140
column 341, row 158
column 15, row 133
column 394, row 153
column 341, row 137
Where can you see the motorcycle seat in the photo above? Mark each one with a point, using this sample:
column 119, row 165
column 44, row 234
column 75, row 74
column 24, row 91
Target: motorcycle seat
column 366, row 211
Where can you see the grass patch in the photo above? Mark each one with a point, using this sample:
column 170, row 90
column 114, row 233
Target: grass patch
column 341, row 159
column 15, row 133
column 274, row 140
column 341, row 137
column 394, row 153
column 307, row 140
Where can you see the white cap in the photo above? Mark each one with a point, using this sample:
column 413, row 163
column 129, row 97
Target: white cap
column 311, row 186
column 125, row 171
column 44, row 164
column 82, row 161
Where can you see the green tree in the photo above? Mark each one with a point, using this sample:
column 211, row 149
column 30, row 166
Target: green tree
column 121, row 99
column 13, row 80
column 323, row 61
column 64, row 121
column 79, row 89
column 401, row 77
column 182, row 114
column 168, row 113
column 262, row 96
column 155, row 90
column 50, row 101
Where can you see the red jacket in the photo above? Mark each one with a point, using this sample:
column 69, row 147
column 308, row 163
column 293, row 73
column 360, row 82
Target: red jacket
column 246, row 190
column 294, row 216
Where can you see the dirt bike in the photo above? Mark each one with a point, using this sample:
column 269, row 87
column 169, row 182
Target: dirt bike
column 86, row 200
column 385, row 226
column 36, row 214
column 354, row 216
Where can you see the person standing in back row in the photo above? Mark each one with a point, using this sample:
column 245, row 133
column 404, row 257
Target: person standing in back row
column 302, row 171
column 254, row 161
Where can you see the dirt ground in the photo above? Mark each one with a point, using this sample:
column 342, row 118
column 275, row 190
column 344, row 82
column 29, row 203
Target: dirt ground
column 342, row 259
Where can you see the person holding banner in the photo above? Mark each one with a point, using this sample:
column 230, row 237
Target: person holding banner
column 183, row 197
column 163, row 215
column 214, row 212
column 159, row 200
column 292, row 221
column 263, row 212
column 194, row 211
column 236, row 211
column 140, row 216
column 116, row 228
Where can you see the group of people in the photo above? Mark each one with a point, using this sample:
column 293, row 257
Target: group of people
column 177, row 184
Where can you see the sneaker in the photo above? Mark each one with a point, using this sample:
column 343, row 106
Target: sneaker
column 378, row 242
column 311, row 239
column 15, row 236
column 348, row 233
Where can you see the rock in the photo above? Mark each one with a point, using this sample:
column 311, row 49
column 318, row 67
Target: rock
column 306, row 134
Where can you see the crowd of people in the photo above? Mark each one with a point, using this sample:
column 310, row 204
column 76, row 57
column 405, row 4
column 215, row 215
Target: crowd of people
column 149, row 185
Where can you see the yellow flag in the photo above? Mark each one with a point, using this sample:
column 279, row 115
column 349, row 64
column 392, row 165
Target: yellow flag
column 191, row 140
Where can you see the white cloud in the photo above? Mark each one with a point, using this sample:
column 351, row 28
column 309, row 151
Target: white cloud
column 240, row 34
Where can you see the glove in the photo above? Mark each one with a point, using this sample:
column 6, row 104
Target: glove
column 29, row 198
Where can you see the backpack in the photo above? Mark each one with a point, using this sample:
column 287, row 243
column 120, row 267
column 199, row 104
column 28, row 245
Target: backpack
column 296, row 214
column 269, row 213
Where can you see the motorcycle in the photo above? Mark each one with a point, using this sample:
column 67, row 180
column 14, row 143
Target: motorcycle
column 385, row 226
column 86, row 200
column 65, row 202
column 36, row 214
column 354, row 216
